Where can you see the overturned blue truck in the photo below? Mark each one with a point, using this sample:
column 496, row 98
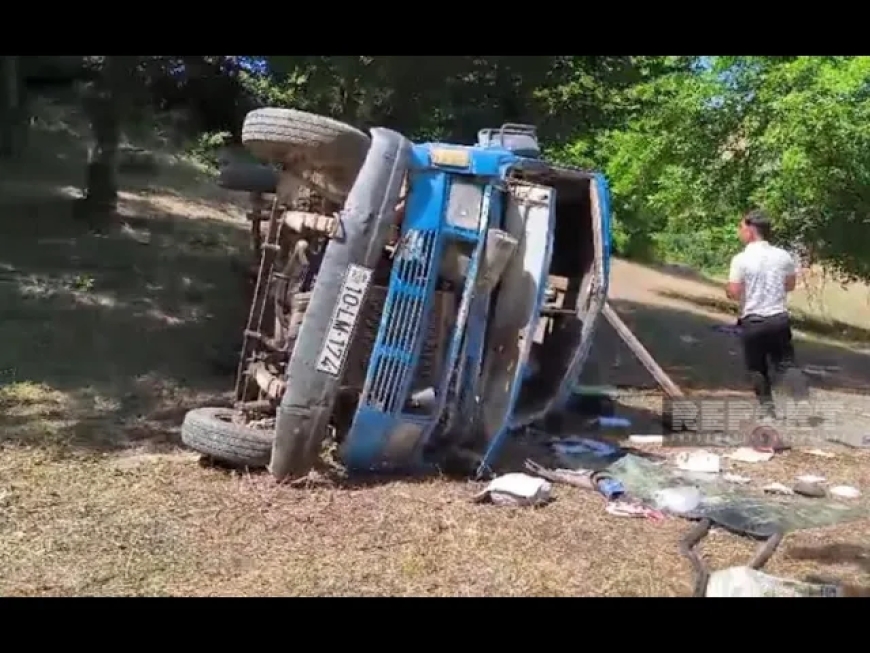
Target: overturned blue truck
column 429, row 300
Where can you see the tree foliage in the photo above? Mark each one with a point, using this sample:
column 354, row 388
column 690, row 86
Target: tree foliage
column 688, row 142
column 787, row 134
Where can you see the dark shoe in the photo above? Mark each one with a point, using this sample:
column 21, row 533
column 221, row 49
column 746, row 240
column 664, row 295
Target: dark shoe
column 768, row 412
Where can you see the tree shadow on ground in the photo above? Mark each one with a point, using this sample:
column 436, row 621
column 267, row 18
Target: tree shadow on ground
column 698, row 357
column 55, row 159
column 806, row 323
column 108, row 339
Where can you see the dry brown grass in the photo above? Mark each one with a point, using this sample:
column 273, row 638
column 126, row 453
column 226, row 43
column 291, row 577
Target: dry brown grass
column 108, row 340
column 161, row 525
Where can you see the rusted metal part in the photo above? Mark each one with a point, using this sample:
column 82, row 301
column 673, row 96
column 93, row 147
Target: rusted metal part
column 283, row 268
column 699, row 531
column 287, row 190
column 285, row 288
column 304, row 222
column 258, row 406
column 256, row 216
column 269, row 343
column 256, row 236
column 269, row 384
column 258, row 303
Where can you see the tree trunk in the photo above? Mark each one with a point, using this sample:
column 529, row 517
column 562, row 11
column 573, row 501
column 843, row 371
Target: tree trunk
column 104, row 105
column 12, row 115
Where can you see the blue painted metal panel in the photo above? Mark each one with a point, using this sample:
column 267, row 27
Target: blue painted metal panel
column 383, row 414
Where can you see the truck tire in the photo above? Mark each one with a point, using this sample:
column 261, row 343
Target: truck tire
column 248, row 178
column 211, row 432
column 325, row 153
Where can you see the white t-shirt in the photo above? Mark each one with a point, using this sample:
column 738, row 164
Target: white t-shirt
column 762, row 269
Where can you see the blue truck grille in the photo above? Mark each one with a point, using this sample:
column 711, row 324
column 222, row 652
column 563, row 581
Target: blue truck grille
column 404, row 322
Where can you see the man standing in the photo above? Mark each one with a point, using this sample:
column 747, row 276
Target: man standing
column 760, row 279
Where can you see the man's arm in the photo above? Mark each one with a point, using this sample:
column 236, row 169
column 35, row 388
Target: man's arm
column 734, row 287
column 790, row 274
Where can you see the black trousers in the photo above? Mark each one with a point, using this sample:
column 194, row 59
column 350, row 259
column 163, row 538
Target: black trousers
column 769, row 354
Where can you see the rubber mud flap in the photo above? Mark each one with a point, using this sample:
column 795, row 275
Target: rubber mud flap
column 366, row 224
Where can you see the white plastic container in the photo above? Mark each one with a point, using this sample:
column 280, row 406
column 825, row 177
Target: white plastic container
column 678, row 500
column 698, row 461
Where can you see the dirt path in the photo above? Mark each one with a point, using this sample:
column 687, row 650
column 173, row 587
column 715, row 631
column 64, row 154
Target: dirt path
column 676, row 312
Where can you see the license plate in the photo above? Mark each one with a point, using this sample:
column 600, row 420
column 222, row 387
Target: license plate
column 344, row 318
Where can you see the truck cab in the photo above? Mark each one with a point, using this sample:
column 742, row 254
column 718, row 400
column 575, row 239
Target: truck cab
column 516, row 251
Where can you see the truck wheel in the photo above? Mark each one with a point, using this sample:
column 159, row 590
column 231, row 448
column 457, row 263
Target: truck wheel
column 248, row 178
column 211, row 432
column 326, row 153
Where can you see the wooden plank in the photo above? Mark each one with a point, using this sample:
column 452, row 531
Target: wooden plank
column 666, row 383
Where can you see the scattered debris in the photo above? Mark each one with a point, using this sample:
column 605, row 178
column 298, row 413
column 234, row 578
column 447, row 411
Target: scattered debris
column 596, row 391
column 581, row 478
column 811, row 490
column 698, row 461
column 750, row 455
column 738, row 508
column 820, row 453
column 614, row 422
column 689, row 340
column 610, row 488
column 646, row 439
column 766, row 437
column 516, row 490
column 744, row 582
column 777, row 488
column 585, row 446
column 811, row 478
column 678, row 500
column 845, row 492
column 633, row 509
column 736, row 479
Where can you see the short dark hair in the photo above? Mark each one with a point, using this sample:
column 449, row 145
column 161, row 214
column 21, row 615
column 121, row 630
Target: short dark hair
column 758, row 221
